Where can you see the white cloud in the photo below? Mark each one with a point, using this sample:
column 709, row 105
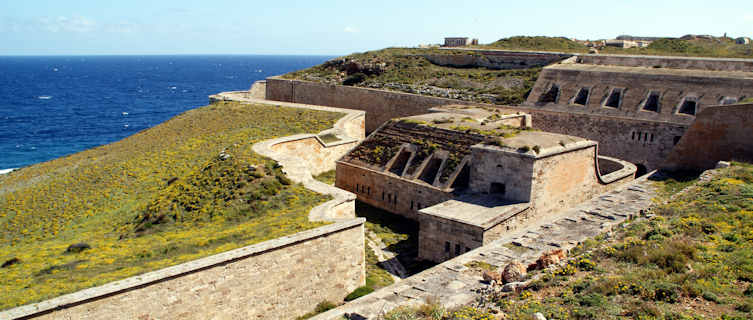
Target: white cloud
column 67, row 24
column 350, row 29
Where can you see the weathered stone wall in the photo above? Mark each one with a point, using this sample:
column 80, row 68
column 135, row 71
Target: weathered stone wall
column 718, row 134
column 711, row 64
column 314, row 153
column 493, row 166
column 566, row 180
column 709, row 89
column 442, row 239
column 617, row 136
column 379, row 105
column 497, row 59
column 277, row 279
column 521, row 220
column 644, row 143
column 381, row 190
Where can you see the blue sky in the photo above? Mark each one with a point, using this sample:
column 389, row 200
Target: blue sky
column 55, row 27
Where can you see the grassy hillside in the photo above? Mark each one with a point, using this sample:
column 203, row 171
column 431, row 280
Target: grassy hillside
column 407, row 70
column 187, row 188
column 717, row 48
column 538, row 43
column 693, row 259
column 697, row 47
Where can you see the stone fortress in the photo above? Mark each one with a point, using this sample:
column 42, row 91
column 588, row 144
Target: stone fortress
column 566, row 165
column 468, row 175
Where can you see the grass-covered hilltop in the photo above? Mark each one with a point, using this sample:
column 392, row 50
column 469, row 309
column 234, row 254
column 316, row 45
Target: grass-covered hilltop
column 415, row 70
column 185, row 189
column 411, row 70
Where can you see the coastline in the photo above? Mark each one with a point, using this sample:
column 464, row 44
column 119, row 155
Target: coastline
column 6, row 171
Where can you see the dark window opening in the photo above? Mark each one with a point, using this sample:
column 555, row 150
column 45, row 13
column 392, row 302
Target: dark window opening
column 688, row 107
column 368, row 191
column 508, row 228
column 431, row 170
column 551, row 95
column 652, row 137
column 613, row 101
column 358, row 188
column 419, row 206
column 399, row 165
column 467, row 249
column 645, row 137
column 582, row 97
column 457, row 249
column 641, row 170
column 394, row 200
column 389, row 197
column 446, row 246
column 463, row 179
column 497, row 188
column 633, row 137
column 639, row 135
column 382, row 195
column 652, row 102
column 676, row 139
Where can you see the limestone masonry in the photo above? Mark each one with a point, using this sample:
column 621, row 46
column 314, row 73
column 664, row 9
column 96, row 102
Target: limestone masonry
column 479, row 179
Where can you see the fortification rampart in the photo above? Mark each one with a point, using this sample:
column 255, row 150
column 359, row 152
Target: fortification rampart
column 719, row 133
column 639, row 93
column 643, row 142
column 711, row 64
column 497, row 59
column 276, row 279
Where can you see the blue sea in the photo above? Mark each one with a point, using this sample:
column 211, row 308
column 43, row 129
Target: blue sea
column 54, row 106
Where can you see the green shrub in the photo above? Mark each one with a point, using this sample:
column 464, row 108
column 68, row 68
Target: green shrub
column 667, row 292
column 359, row 292
column 354, row 79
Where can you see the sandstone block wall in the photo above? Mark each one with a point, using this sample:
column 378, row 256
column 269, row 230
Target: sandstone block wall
column 442, row 239
column 566, row 180
column 278, row 279
column 718, row 134
column 390, row 193
column 708, row 89
column 618, row 136
column 711, row 64
column 492, row 166
column 317, row 156
column 497, row 59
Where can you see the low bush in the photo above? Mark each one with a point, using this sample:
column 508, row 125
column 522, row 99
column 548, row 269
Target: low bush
column 359, row 292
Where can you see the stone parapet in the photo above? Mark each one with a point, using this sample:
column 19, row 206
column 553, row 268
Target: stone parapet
column 275, row 279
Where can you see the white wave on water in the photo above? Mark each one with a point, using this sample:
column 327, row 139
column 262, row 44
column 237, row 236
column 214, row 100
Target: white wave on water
column 45, row 97
column 4, row 171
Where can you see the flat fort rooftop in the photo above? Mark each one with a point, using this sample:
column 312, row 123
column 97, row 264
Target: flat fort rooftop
column 653, row 71
column 479, row 210
column 512, row 129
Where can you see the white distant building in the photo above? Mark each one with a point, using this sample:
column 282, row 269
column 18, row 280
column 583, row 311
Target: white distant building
column 622, row 43
column 743, row 40
column 459, row 42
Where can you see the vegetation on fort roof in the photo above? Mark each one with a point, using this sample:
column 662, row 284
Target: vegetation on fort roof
column 539, row 43
column 716, row 47
column 693, row 259
column 185, row 189
column 694, row 47
column 327, row 177
column 408, row 70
